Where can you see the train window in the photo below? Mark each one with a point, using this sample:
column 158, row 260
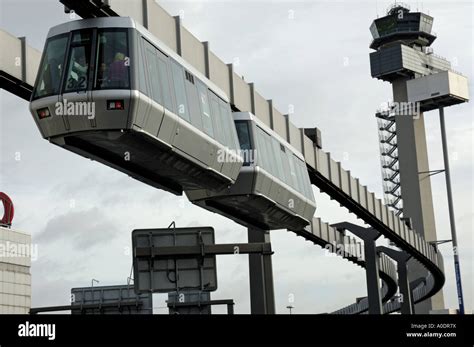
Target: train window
column 243, row 134
column 271, row 155
column 300, row 175
column 278, row 162
column 286, row 166
column 294, row 177
column 305, row 184
column 113, row 61
column 141, row 70
column 165, row 81
column 217, row 120
column 193, row 103
column 265, row 152
column 261, row 149
column 306, row 181
column 179, row 90
column 233, row 131
column 228, row 124
column 49, row 79
column 205, row 110
column 79, row 62
column 152, row 68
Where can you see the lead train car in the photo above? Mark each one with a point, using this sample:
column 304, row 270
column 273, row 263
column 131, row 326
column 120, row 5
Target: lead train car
column 110, row 91
column 273, row 190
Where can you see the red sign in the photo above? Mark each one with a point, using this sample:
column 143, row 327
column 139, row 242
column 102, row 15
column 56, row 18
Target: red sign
column 8, row 210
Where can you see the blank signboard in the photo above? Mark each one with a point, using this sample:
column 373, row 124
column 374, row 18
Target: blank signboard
column 168, row 274
column 110, row 300
column 193, row 298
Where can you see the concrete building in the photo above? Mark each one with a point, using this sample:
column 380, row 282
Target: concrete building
column 15, row 277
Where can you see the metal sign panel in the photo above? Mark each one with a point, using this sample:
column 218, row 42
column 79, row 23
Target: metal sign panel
column 164, row 274
column 193, row 298
column 119, row 299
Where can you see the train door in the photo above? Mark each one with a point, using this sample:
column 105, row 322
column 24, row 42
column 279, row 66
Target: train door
column 75, row 100
column 109, row 78
column 143, row 107
column 169, row 124
column 48, row 84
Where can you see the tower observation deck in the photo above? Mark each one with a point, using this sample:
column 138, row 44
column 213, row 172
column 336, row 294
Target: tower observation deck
column 401, row 24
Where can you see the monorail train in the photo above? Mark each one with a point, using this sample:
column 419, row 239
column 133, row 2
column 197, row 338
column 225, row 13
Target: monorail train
column 273, row 190
column 110, row 91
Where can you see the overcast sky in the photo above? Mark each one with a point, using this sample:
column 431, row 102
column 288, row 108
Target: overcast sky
column 310, row 54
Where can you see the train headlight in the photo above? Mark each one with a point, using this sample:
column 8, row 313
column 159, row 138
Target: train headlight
column 43, row 113
column 115, row 104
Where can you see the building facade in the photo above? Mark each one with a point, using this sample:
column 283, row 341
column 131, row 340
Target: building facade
column 15, row 278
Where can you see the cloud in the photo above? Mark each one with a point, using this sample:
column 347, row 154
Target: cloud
column 83, row 229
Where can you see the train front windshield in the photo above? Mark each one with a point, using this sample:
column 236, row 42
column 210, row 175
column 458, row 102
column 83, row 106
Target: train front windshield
column 78, row 62
column 51, row 69
column 96, row 59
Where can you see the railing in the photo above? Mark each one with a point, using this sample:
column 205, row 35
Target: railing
column 389, row 159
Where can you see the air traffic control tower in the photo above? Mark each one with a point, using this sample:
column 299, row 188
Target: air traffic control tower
column 421, row 81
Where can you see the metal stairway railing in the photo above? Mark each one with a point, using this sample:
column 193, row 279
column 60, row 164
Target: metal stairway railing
column 389, row 160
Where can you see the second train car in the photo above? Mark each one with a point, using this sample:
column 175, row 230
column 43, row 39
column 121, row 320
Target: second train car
column 273, row 190
column 109, row 90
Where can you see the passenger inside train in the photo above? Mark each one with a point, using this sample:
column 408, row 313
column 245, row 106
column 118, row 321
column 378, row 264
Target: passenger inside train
column 113, row 62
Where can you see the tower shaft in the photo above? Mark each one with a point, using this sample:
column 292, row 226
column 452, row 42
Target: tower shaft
column 415, row 187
